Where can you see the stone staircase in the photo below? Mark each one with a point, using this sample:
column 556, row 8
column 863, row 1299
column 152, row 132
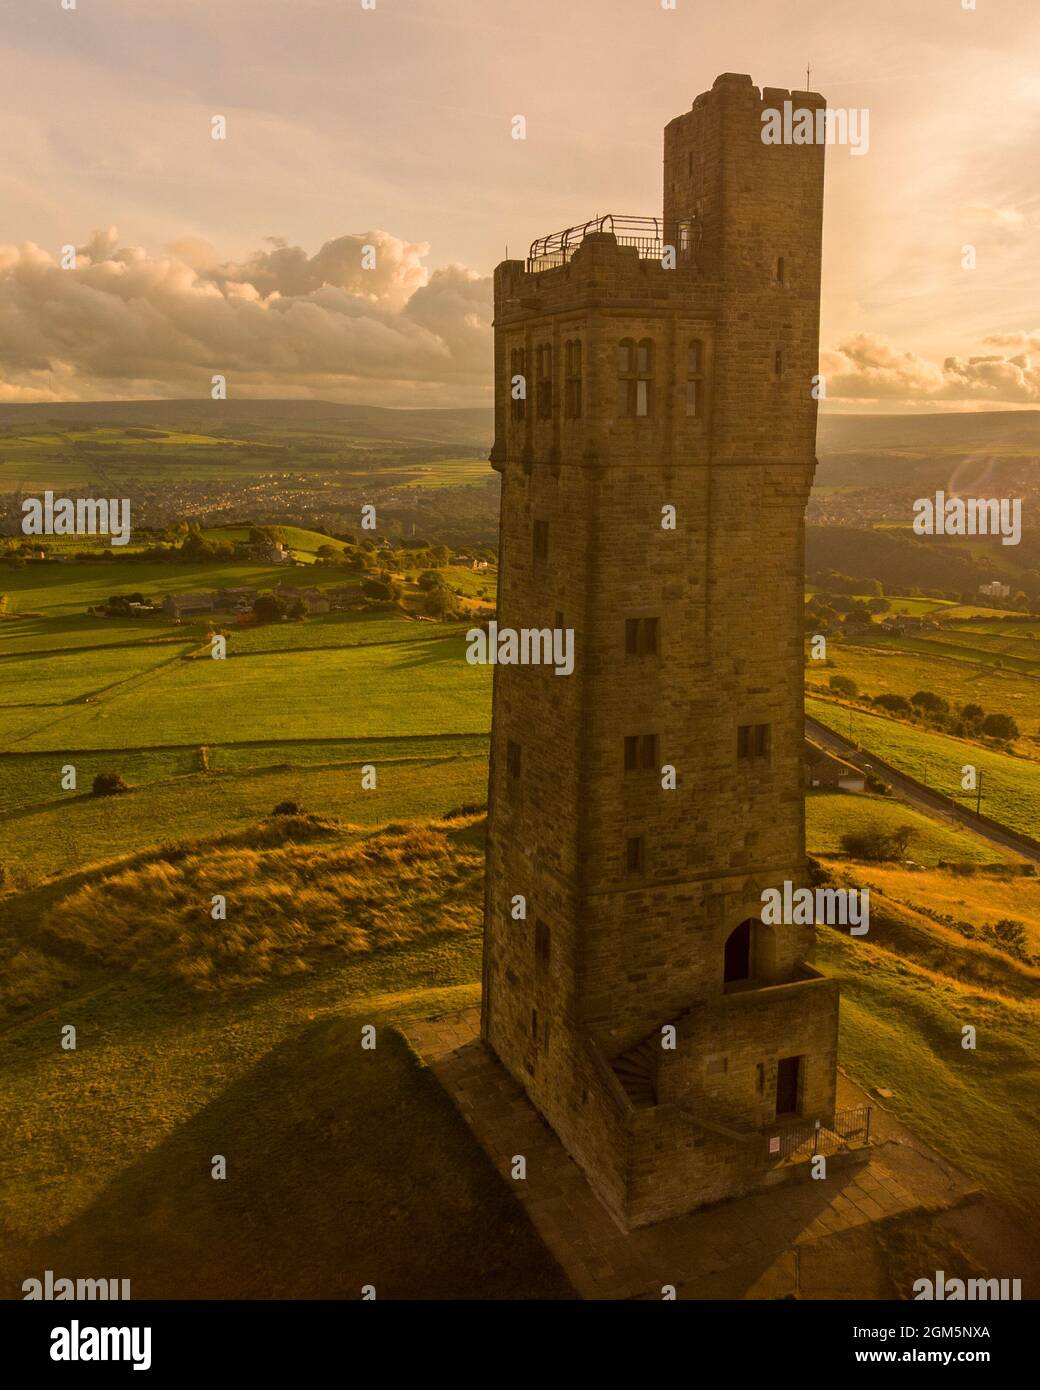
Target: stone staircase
column 636, row 1069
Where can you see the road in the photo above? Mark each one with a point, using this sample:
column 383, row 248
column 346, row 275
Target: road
column 933, row 803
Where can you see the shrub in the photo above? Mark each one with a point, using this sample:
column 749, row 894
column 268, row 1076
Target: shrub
column 898, row 704
column 109, row 784
column 287, row 808
column 844, row 685
column 1010, row 933
column 876, row 844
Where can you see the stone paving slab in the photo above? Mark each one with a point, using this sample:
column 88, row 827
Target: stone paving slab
column 772, row 1244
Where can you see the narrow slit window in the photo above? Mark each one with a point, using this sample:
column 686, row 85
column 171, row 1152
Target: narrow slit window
column 695, row 378
column 634, row 854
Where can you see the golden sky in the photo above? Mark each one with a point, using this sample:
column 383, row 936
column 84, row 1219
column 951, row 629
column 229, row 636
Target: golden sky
column 392, row 127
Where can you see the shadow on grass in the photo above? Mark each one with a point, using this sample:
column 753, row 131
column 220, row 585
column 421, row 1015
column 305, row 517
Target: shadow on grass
column 344, row 1168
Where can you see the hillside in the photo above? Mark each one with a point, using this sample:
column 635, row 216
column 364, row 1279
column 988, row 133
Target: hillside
column 207, row 416
column 346, row 1166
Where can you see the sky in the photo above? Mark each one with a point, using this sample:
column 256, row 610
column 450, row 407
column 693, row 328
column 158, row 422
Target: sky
column 391, row 127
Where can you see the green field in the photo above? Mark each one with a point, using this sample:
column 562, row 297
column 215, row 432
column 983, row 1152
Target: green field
column 422, row 687
column 1011, row 786
column 170, row 799
column 243, row 441
column 452, row 473
column 66, row 591
column 292, row 714
column 999, row 671
column 830, row 815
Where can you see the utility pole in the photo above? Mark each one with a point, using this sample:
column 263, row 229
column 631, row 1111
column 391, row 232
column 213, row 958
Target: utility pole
column 978, row 797
column 808, row 77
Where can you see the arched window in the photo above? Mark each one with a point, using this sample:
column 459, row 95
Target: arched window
column 545, row 385
column 517, row 384
column 737, row 953
column 635, row 368
column 572, row 374
column 695, row 378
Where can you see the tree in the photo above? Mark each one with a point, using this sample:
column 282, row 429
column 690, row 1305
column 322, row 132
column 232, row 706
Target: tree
column 877, row 844
column 381, row 589
column 268, row 608
column 287, row 808
column 972, row 714
column 431, row 579
column 109, row 784
column 897, row 704
column 928, row 700
column 999, row 726
column 441, row 603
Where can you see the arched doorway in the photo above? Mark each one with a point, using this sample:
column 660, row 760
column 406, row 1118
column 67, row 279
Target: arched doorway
column 737, row 954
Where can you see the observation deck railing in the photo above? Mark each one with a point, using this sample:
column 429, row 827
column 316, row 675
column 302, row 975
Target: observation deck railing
column 649, row 235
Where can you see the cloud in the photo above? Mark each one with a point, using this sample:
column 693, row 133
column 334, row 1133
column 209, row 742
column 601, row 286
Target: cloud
column 126, row 323
column 865, row 367
column 999, row 219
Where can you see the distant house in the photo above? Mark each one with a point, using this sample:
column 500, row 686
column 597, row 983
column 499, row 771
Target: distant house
column 480, row 565
column 313, row 600
column 995, row 589
column 234, row 598
column 272, row 552
column 188, row 605
column 826, row 773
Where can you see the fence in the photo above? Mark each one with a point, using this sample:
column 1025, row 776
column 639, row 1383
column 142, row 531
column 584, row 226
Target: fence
column 849, row 1130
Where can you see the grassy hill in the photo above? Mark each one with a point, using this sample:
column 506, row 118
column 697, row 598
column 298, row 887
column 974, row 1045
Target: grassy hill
column 345, row 1167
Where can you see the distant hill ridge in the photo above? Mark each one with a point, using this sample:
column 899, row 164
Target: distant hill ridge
column 836, row 433
column 459, row 425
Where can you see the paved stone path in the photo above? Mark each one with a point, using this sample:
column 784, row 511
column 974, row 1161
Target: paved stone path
column 810, row 1239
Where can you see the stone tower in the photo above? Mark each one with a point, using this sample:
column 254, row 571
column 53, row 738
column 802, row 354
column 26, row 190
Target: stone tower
column 654, row 480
